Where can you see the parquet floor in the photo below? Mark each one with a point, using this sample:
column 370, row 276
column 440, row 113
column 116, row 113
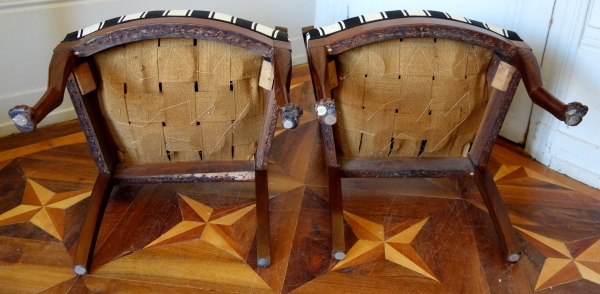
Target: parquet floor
column 405, row 236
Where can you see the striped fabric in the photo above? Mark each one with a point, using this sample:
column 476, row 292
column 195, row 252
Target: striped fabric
column 267, row 31
column 367, row 18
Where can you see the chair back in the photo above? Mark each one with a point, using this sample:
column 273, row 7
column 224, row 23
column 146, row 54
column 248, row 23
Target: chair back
column 410, row 97
column 414, row 83
column 181, row 99
column 176, row 86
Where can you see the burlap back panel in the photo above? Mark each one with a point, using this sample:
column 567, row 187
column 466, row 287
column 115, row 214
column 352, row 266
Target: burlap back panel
column 181, row 100
column 410, row 97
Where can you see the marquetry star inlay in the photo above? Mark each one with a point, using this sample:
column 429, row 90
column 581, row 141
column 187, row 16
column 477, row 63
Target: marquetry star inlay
column 560, row 265
column 512, row 172
column 374, row 245
column 210, row 225
column 44, row 208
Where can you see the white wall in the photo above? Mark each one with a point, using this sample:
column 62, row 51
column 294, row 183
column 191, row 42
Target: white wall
column 571, row 72
column 30, row 29
column 529, row 18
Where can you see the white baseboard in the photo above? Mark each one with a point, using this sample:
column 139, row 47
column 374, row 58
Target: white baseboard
column 566, row 154
column 585, row 176
column 56, row 117
column 8, row 7
column 299, row 59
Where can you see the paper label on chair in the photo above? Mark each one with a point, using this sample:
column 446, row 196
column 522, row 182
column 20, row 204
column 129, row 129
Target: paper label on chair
column 503, row 75
column 266, row 75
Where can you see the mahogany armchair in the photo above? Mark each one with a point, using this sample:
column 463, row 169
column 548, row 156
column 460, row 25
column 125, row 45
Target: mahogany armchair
column 420, row 94
column 171, row 97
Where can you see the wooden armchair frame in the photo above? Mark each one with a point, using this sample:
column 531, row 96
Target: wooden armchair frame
column 71, row 67
column 517, row 54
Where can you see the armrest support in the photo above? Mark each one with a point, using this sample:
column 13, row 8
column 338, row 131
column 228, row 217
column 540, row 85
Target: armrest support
column 527, row 64
column 26, row 118
column 291, row 113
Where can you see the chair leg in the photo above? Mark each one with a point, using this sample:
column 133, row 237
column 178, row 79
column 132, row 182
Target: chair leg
column 91, row 223
column 337, row 213
column 497, row 210
column 263, row 234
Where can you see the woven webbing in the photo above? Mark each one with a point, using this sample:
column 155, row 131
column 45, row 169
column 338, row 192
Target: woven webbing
column 181, row 100
column 410, row 97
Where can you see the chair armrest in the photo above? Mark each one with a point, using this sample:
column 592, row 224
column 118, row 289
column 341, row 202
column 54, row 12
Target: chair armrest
column 528, row 66
column 27, row 118
column 290, row 113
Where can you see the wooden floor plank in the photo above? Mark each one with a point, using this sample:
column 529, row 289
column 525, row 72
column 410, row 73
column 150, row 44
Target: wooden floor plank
column 61, row 288
column 28, row 266
column 503, row 153
column 148, row 218
column 42, row 134
column 196, row 264
column 284, row 214
column 95, row 284
column 41, row 146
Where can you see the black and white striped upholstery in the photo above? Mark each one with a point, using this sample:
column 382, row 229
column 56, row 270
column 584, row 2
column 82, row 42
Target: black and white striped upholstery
column 377, row 16
column 267, row 31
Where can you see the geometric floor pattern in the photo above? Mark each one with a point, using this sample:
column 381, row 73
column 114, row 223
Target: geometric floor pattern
column 374, row 245
column 402, row 235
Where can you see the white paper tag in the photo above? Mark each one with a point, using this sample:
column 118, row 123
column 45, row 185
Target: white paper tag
column 266, row 75
column 502, row 76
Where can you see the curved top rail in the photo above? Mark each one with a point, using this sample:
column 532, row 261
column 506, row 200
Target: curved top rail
column 256, row 27
column 398, row 14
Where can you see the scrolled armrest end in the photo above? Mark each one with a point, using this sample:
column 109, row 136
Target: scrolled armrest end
column 575, row 113
column 291, row 114
column 22, row 118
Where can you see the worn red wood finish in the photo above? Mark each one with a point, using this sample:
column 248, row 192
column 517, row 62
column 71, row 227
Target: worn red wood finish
column 69, row 55
column 321, row 51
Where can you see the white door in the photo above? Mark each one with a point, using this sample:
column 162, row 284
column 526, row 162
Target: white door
column 571, row 73
column 530, row 19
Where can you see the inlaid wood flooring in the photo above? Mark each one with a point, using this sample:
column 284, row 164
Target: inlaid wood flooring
column 402, row 235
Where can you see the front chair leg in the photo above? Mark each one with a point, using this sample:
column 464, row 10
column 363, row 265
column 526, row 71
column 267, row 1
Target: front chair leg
column 497, row 210
column 91, row 224
column 263, row 236
column 337, row 213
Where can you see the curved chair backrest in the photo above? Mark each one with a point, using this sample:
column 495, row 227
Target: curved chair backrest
column 173, row 85
column 420, row 93
column 181, row 99
column 172, row 96
column 410, row 97
column 411, row 83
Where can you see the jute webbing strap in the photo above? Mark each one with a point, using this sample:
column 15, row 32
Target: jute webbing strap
column 410, row 97
column 181, row 100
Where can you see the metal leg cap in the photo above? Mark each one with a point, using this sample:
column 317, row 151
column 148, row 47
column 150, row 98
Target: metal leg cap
column 264, row 262
column 80, row 270
column 22, row 119
column 514, row 257
column 288, row 124
column 339, row 255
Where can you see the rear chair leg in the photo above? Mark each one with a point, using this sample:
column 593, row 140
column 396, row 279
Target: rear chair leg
column 337, row 213
column 497, row 210
column 262, row 219
column 91, row 224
